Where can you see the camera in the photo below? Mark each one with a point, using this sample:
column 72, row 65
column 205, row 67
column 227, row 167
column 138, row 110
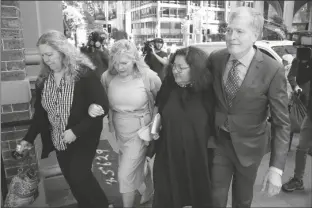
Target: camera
column 96, row 39
column 152, row 43
column 148, row 47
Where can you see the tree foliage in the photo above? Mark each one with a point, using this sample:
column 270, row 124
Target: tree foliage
column 88, row 11
column 72, row 14
column 222, row 27
column 275, row 29
column 118, row 34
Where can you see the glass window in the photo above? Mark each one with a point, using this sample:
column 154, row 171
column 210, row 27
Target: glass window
column 154, row 11
column 149, row 24
column 172, row 12
column 195, row 3
column 212, row 3
column 177, row 25
column 181, row 2
column 247, row 3
column 181, row 13
column 220, row 15
column 165, row 25
column 220, row 4
column 165, row 12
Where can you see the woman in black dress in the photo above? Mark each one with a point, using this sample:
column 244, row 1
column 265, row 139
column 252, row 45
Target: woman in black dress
column 186, row 105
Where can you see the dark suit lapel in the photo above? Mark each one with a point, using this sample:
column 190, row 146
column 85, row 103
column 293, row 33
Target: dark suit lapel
column 252, row 73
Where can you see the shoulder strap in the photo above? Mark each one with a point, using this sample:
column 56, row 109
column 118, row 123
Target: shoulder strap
column 146, row 81
column 106, row 79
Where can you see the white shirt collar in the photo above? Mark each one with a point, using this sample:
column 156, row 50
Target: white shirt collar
column 245, row 60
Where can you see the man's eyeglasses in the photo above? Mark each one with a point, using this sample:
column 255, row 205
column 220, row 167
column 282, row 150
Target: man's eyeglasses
column 179, row 68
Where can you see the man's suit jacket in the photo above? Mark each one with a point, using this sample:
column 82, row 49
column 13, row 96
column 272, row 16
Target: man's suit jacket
column 263, row 88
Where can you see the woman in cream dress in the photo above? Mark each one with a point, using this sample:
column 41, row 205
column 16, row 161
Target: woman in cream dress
column 131, row 87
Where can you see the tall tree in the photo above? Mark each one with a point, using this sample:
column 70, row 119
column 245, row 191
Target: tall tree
column 222, row 27
column 72, row 17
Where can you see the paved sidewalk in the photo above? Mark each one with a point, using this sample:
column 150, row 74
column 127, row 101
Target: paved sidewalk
column 105, row 170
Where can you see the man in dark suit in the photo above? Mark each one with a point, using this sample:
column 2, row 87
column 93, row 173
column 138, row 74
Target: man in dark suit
column 247, row 83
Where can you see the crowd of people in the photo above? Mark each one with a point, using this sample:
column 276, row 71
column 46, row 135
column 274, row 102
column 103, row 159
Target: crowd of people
column 213, row 109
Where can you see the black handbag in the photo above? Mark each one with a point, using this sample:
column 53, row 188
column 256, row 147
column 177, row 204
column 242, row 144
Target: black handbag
column 150, row 152
column 297, row 112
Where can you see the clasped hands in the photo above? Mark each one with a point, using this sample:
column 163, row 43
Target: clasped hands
column 94, row 110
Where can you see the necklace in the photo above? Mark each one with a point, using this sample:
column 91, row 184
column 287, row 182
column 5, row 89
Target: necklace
column 127, row 79
column 185, row 85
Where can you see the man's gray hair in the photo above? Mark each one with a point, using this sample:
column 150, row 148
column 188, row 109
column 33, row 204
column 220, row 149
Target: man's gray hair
column 256, row 21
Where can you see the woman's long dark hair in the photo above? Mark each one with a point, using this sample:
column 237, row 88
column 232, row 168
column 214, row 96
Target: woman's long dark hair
column 196, row 59
column 201, row 82
column 200, row 74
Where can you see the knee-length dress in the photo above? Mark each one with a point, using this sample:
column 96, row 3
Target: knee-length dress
column 129, row 102
column 181, row 171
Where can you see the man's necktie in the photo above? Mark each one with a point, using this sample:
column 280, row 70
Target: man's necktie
column 231, row 86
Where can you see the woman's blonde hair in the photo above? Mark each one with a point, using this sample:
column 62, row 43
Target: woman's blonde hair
column 71, row 56
column 126, row 48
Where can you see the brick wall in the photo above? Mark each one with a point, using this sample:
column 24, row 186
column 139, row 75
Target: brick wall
column 15, row 103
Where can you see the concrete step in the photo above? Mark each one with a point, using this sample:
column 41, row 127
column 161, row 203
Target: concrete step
column 32, row 70
column 32, row 81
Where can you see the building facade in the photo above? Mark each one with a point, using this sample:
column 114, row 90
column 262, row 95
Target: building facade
column 171, row 20
column 287, row 10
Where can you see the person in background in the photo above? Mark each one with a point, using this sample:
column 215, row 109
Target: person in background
column 247, row 84
column 157, row 59
column 65, row 88
column 287, row 60
column 131, row 87
column 186, row 105
column 303, row 88
column 96, row 51
column 300, row 77
column 168, row 52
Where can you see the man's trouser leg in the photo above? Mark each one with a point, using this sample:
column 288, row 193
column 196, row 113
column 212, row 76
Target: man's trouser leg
column 305, row 142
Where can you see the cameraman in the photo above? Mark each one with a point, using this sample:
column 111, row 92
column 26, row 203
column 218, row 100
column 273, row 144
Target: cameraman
column 96, row 51
column 300, row 75
column 156, row 58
